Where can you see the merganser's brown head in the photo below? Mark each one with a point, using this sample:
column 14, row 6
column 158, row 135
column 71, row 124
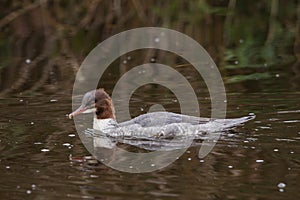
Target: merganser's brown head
column 98, row 101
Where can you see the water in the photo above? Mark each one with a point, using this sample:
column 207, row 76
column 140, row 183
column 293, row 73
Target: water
column 36, row 161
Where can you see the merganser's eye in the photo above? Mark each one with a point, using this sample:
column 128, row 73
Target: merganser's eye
column 99, row 110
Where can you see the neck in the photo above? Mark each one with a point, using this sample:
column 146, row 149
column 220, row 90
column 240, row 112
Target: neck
column 105, row 111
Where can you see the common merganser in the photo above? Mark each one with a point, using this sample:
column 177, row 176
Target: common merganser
column 149, row 125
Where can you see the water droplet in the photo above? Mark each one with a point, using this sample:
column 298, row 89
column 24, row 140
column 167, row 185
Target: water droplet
column 202, row 161
column 124, row 61
column 28, row 61
column 128, row 57
column 230, row 166
column 152, row 165
column 236, row 62
column 277, row 75
column 260, row 161
column 31, row 123
column 7, row 167
column 130, row 167
column 281, row 185
column 21, row 100
column 292, row 152
column 189, row 159
column 281, row 190
column 71, row 135
column 156, row 40
column 53, row 100
column 142, row 109
column 152, row 60
column 45, row 150
column 33, row 186
column 28, row 191
column 276, row 150
column 66, row 144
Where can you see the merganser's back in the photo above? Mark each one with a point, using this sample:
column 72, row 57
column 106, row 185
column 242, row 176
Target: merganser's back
column 156, row 124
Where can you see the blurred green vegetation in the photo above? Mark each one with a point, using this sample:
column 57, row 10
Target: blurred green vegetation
column 247, row 39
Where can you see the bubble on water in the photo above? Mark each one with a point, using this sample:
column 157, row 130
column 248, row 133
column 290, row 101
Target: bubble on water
column 28, row 61
column 33, row 186
column 37, row 143
column 7, row 167
column 281, row 190
column 236, row 62
column 152, row 60
column 21, row 100
column 230, row 166
column 157, row 40
column 141, row 109
column 292, row 152
column 241, row 41
column 124, row 61
column 276, row 150
column 130, row 167
column 202, row 161
column 45, row 150
column 53, row 100
column 128, row 57
column 281, row 185
column 152, row 165
column 28, row 191
column 71, row 135
column 260, row 161
column 66, row 144
column 189, row 159
column 277, row 75
column 31, row 123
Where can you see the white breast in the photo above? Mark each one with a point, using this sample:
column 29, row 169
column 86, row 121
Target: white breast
column 104, row 125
